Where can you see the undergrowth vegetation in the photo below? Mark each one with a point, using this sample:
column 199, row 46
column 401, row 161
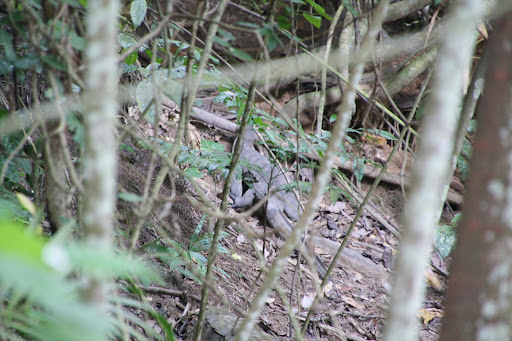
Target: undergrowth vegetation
column 44, row 261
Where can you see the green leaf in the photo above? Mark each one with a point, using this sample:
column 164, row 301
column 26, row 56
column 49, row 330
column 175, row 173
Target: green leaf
column 305, row 187
column 107, row 263
column 249, row 25
column 336, row 193
column 54, row 62
column 333, row 196
column 319, row 9
column 144, row 93
column 56, row 298
column 194, row 172
column 211, row 146
column 197, row 54
column 444, row 240
column 472, row 127
column 197, row 230
column 4, row 113
column 27, row 61
column 284, row 22
column 463, row 167
column 6, row 42
column 173, row 89
column 385, row 134
column 35, row 3
column 77, row 128
column 78, row 42
column 167, row 328
column 5, row 67
column 181, row 46
column 355, row 131
column 144, row 96
column 125, row 40
column 267, row 31
column 225, row 97
column 455, row 221
column 222, row 42
column 131, row 59
column 10, row 206
column 225, row 35
column 24, row 165
column 418, row 115
column 313, row 19
column 350, row 8
column 124, row 146
column 243, row 56
column 359, row 169
column 14, row 173
column 16, row 241
column 138, row 10
column 467, row 148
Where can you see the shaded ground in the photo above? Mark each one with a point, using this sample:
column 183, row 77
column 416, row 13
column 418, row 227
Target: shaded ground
column 354, row 303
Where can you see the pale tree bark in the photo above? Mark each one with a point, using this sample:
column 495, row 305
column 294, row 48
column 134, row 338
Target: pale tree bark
column 430, row 176
column 478, row 301
column 99, row 119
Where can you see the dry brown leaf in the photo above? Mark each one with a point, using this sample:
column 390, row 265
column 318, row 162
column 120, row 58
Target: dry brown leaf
column 433, row 281
column 349, row 300
column 428, row 315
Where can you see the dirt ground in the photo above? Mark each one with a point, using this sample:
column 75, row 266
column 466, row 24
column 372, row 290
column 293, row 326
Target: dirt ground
column 354, row 303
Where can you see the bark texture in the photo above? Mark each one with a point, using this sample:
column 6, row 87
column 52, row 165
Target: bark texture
column 99, row 119
column 430, row 176
column 478, row 303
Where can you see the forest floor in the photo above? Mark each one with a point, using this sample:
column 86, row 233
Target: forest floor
column 354, row 303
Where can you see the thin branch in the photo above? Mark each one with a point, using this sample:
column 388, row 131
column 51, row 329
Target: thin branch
column 245, row 328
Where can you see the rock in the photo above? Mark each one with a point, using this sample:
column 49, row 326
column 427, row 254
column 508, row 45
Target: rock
column 219, row 325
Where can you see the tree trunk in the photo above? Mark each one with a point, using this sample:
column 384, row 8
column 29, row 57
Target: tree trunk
column 430, row 176
column 478, row 302
column 99, row 120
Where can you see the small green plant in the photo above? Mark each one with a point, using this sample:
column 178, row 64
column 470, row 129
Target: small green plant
column 40, row 288
column 233, row 96
column 212, row 157
column 17, row 167
column 176, row 256
column 200, row 243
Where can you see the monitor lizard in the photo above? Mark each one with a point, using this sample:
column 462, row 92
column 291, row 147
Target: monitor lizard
column 282, row 209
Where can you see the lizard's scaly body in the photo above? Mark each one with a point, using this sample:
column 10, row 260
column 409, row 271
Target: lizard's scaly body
column 282, row 208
